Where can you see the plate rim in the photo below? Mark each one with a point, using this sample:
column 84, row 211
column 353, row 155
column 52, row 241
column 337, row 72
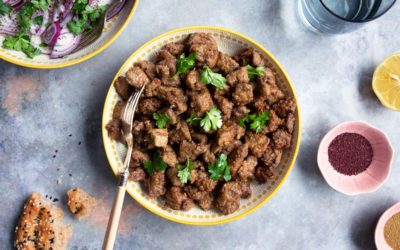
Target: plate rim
column 259, row 46
column 80, row 59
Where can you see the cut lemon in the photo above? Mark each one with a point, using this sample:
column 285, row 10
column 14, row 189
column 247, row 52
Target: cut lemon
column 386, row 82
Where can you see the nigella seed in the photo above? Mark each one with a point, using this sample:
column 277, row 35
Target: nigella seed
column 55, row 200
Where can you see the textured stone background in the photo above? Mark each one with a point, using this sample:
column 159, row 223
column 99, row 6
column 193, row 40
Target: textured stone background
column 39, row 109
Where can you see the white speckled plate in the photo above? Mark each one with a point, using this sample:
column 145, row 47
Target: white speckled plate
column 229, row 42
column 111, row 31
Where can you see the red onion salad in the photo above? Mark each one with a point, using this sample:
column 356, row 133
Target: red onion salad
column 53, row 27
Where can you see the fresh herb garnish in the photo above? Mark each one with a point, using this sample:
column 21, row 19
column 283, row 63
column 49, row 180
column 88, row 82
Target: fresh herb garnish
column 41, row 4
column 184, row 171
column 38, row 20
column 254, row 73
column 212, row 120
column 184, row 64
column 24, row 17
column 207, row 76
column 193, row 119
column 155, row 165
column 161, row 119
column 220, row 169
column 77, row 27
column 92, row 14
column 21, row 43
column 85, row 13
column 255, row 121
column 5, row 8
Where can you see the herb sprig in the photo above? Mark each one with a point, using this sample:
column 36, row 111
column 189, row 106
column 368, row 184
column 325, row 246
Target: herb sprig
column 161, row 119
column 254, row 73
column 85, row 13
column 5, row 8
column 156, row 164
column 220, row 169
column 212, row 120
column 184, row 171
column 255, row 121
column 21, row 43
column 184, row 64
column 207, row 76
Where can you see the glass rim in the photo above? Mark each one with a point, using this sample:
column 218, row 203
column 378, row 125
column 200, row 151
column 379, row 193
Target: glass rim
column 353, row 21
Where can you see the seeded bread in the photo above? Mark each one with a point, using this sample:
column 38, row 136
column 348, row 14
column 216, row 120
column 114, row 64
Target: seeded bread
column 40, row 226
column 80, row 203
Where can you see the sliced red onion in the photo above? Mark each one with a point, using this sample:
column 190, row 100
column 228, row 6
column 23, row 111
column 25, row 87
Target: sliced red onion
column 13, row 2
column 39, row 29
column 66, row 20
column 51, row 34
column 56, row 15
column 66, row 44
column 9, row 24
column 97, row 3
column 116, row 10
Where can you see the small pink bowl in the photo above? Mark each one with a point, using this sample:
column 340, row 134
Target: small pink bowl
column 380, row 241
column 377, row 172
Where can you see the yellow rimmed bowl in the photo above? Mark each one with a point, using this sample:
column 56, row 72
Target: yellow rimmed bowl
column 112, row 30
column 229, row 42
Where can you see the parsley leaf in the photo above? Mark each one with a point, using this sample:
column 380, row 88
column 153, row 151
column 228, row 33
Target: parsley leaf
column 161, row 119
column 212, row 120
column 38, row 20
column 220, row 169
column 5, row 8
column 156, row 164
column 193, row 119
column 78, row 26
column 41, row 4
column 92, row 14
column 255, row 121
column 254, row 73
column 184, row 171
column 79, row 6
column 85, row 13
column 184, row 64
column 207, row 76
column 21, row 43
column 24, row 17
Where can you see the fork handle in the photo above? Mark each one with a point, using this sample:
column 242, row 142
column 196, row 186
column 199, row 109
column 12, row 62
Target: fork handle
column 112, row 227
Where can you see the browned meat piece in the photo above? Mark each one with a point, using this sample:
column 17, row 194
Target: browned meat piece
column 193, row 81
column 260, row 105
column 180, row 133
column 148, row 67
column 173, row 115
column 202, row 198
column 156, row 184
column 269, row 92
column 245, row 189
column 151, row 88
column 205, row 47
column 243, row 94
column 225, row 106
column 272, row 157
column 273, row 123
column 136, row 77
column 223, row 92
column 201, row 102
column 246, row 171
column 264, row 174
column 229, row 132
column 137, row 127
column 258, row 143
column 172, row 174
column 176, row 199
column 199, row 137
column 237, row 157
column 80, row 203
column 238, row 76
column 138, row 158
column 166, row 77
column 281, row 139
column 226, row 63
column 118, row 109
column 203, row 181
column 114, row 130
column 209, row 157
column 174, row 96
column 137, row 174
column 284, row 107
column 159, row 137
column 268, row 77
column 190, row 150
column 175, row 48
column 167, row 59
column 290, row 122
column 148, row 106
column 240, row 112
column 228, row 200
column 123, row 88
column 169, row 156
column 250, row 56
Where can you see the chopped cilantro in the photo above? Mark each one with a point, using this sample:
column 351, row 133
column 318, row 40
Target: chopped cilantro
column 193, row 119
column 209, row 77
column 78, row 26
column 161, row 119
column 184, row 64
column 184, row 171
column 38, row 20
column 254, row 73
column 220, row 169
column 212, row 120
column 255, row 121
column 5, row 8
column 156, row 164
column 21, row 43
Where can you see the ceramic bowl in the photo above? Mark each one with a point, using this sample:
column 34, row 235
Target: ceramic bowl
column 112, row 30
column 377, row 172
column 380, row 241
column 231, row 43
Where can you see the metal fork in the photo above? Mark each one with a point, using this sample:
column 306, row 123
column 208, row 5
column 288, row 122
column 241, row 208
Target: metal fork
column 127, row 120
column 91, row 35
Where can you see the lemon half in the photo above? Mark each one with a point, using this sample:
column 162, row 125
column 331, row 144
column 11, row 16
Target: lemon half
column 386, row 82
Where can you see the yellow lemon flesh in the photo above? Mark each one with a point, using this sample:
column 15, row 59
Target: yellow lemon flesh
column 386, row 82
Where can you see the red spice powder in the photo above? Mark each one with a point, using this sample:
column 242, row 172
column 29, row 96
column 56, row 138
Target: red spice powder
column 350, row 153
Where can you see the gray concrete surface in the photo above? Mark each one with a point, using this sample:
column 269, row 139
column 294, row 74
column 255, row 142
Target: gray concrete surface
column 39, row 109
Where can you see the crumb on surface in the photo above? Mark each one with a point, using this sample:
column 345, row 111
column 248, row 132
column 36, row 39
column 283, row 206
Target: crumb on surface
column 80, row 203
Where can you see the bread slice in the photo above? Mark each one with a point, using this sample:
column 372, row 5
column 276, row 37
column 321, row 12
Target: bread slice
column 40, row 226
column 80, row 203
